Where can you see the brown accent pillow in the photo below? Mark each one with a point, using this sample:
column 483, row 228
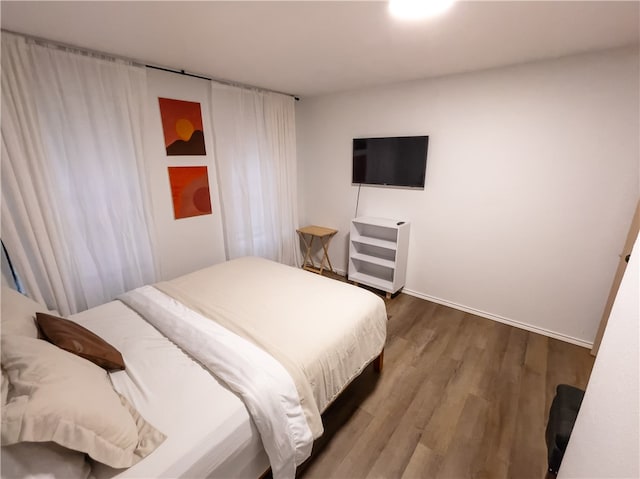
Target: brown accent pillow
column 80, row 341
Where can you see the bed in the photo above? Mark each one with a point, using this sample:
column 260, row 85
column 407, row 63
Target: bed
column 232, row 365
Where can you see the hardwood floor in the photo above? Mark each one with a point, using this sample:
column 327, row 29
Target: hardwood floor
column 459, row 397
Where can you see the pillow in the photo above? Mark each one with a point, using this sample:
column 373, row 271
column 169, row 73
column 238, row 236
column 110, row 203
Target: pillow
column 18, row 313
column 59, row 397
column 41, row 460
column 74, row 338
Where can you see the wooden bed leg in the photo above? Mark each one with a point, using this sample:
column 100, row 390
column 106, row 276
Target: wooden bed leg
column 378, row 362
column 266, row 474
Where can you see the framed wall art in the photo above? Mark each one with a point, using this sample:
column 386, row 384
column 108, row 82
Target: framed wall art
column 190, row 191
column 182, row 127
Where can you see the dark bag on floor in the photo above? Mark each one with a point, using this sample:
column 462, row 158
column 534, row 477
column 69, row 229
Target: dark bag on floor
column 562, row 417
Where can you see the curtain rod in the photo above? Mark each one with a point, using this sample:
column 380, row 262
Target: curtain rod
column 53, row 43
column 219, row 80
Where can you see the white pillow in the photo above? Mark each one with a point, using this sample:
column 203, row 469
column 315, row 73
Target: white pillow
column 19, row 313
column 43, row 460
column 60, row 397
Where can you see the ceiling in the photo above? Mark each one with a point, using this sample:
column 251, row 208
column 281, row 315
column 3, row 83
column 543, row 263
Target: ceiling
column 314, row 47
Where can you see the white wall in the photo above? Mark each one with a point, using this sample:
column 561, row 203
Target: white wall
column 532, row 178
column 186, row 244
column 605, row 441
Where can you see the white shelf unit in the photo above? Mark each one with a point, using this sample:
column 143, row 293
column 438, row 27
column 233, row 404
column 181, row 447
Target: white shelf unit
column 378, row 249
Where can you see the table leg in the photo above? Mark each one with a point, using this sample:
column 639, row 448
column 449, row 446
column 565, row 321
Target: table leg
column 326, row 253
column 323, row 257
column 308, row 262
column 313, row 263
column 307, row 252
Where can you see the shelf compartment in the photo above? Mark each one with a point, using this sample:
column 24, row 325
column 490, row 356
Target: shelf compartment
column 370, row 240
column 376, row 222
column 382, row 272
column 377, row 230
column 367, row 258
column 373, row 250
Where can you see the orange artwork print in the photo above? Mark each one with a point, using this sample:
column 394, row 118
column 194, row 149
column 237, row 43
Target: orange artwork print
column 182, row 127
column 190, row 191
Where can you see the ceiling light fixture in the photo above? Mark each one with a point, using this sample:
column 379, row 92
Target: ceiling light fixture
column 418, row 9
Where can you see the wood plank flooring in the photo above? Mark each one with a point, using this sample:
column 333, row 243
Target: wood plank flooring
column 459, row 397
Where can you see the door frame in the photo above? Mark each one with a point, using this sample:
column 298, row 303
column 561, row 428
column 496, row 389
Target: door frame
column 617, row 279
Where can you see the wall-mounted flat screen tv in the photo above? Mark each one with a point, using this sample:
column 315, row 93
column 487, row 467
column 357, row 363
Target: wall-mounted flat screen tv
column 390, row 161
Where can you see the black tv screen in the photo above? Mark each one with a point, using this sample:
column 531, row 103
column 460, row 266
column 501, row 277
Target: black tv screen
column 391, row 161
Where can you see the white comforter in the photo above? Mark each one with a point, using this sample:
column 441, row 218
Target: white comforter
column 320, row 331
column 264, row 385
column 324, row 332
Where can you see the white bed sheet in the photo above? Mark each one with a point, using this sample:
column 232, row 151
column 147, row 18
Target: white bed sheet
column 209, row 431
column 265, row 386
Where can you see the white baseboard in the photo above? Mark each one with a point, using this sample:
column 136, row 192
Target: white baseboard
column 501, row 319
column 494, row 317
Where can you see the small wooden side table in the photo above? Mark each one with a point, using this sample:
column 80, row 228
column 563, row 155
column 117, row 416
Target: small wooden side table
column 325, row 235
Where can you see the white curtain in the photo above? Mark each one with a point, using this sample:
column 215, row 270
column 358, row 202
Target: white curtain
column 74, row 215
column 255, row 153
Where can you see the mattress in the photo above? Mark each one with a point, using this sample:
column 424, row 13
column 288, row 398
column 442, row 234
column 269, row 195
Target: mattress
column 209, row 431
column 322, row 331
